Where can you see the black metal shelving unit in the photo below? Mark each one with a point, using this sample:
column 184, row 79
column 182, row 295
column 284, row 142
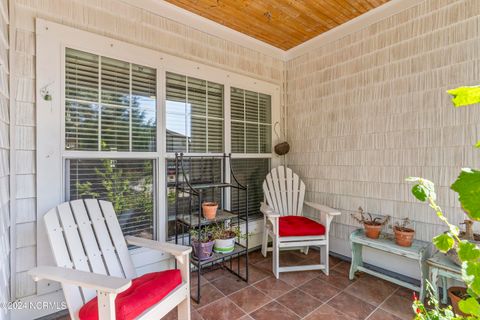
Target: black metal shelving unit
column 196, row 182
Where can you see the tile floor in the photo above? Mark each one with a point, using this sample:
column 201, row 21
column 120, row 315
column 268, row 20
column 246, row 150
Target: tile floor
column 309, row 295
column 298, row 295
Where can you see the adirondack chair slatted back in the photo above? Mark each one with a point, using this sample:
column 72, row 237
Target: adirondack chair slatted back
column 85, row 235
column 284, row 191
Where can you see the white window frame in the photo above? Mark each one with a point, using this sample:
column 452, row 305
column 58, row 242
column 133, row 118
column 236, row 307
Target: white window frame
column 51, row 40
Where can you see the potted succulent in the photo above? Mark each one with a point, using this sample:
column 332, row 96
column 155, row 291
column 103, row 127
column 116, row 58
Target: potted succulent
column 225, row 237
column 209, row 210
column 403, row 234
column 372, row 225
column 202, row 242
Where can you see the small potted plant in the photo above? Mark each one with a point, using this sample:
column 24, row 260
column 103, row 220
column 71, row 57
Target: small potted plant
column 456, row 294
column 202, row 242
column 372, row 225
column 225, row 237
column 403, row 234
column 209, row 210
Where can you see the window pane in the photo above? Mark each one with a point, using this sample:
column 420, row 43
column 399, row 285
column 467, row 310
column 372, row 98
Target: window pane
column 126, row 103
column 81, row 75
column 81, row 126
column 198, row 171
column 251, row 106
column 251, row 121
column 251, row 172
column 238, row 137
column 194, row 115
column 128, row 184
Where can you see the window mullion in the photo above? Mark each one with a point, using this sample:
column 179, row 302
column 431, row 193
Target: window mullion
column 206, row 113
column 130, row 107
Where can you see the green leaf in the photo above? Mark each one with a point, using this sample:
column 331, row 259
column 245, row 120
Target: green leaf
column 468, row 251
column 477, row 145
column 470, row 306
column 443, row 242
column 471, row 275
column 465, row 96
column 419, row 192
column 467, row 186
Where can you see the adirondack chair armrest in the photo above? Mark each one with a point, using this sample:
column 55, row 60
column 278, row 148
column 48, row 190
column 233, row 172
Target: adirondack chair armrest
column 174, row 249
column 99, row 282
column 323, row 209
column 268, row 211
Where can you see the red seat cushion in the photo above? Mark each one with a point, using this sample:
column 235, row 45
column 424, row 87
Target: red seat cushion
column 145, row 292
column 297, row 226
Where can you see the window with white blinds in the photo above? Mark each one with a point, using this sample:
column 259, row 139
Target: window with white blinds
column 251, row 118
column 194, row 115
column 110, row 105
column 251, row 172
column 128, row 184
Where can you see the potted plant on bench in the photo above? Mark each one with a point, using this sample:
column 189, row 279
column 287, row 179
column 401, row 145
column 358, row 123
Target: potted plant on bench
column 373, row 226
column 403, row 234
column 225, row 237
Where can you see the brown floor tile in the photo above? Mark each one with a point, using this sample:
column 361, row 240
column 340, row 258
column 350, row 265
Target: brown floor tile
column 265, row 264
column 319, row 289
column 342, row 267
column 249, row 299
column 194, row 278
column 173, row 315
column 290, row 258
column 325, row 312
column 336, row 279
column 298, row 278
column 256, row 274
column 399, row 306
column 273, row 287
column 406, row 293
column 380, row 314
column 372, row 292
column 299, row 302
column 351, row 306
column 221, row 309
column 208, row 294
column 333, row 261
column 246, row 317
column 256, row 256
column 229, row 284
column 274, row 310
column 376, row 281
column 212, row 274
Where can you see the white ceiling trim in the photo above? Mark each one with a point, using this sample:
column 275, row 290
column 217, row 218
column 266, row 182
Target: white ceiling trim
column 370, row 17
column 172, row 12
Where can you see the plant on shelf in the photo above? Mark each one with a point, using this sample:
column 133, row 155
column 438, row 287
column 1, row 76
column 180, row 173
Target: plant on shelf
column 467, row 186
column 403, row 233
column 373, row 226
column 225, row 235
column 202, row 242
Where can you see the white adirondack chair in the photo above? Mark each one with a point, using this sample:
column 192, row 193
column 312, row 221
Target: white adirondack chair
column 285, row 224
column 93, row 260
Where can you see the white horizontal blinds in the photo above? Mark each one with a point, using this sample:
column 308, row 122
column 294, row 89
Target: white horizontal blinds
column 110, row 104
column 253, row 173
column 128, row 184
column 81, row 100
column 194, row 113
column 198, row 171
column 251, row 121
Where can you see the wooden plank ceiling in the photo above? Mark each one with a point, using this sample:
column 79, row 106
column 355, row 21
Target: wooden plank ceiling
column 281, row 23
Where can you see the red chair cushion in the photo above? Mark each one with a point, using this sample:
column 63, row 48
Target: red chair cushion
column 145, row 292
column 297, row 226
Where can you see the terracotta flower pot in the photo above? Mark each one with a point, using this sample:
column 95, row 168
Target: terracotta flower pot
column 404, row 236
column 456, row 294
column 372, row 230
column 209, row 210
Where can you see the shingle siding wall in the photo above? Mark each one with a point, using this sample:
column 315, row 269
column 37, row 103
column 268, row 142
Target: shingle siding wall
column 4, row 161
column 120, row 21
column 370, row 109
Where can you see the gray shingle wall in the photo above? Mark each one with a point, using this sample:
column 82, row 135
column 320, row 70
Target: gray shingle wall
column 370, row 109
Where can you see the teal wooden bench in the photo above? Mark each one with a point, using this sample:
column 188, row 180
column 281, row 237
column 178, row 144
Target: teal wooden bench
column 443, row 268
column 419, row 251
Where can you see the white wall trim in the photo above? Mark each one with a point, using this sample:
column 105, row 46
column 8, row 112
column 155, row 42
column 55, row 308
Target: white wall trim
column 172, row 12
